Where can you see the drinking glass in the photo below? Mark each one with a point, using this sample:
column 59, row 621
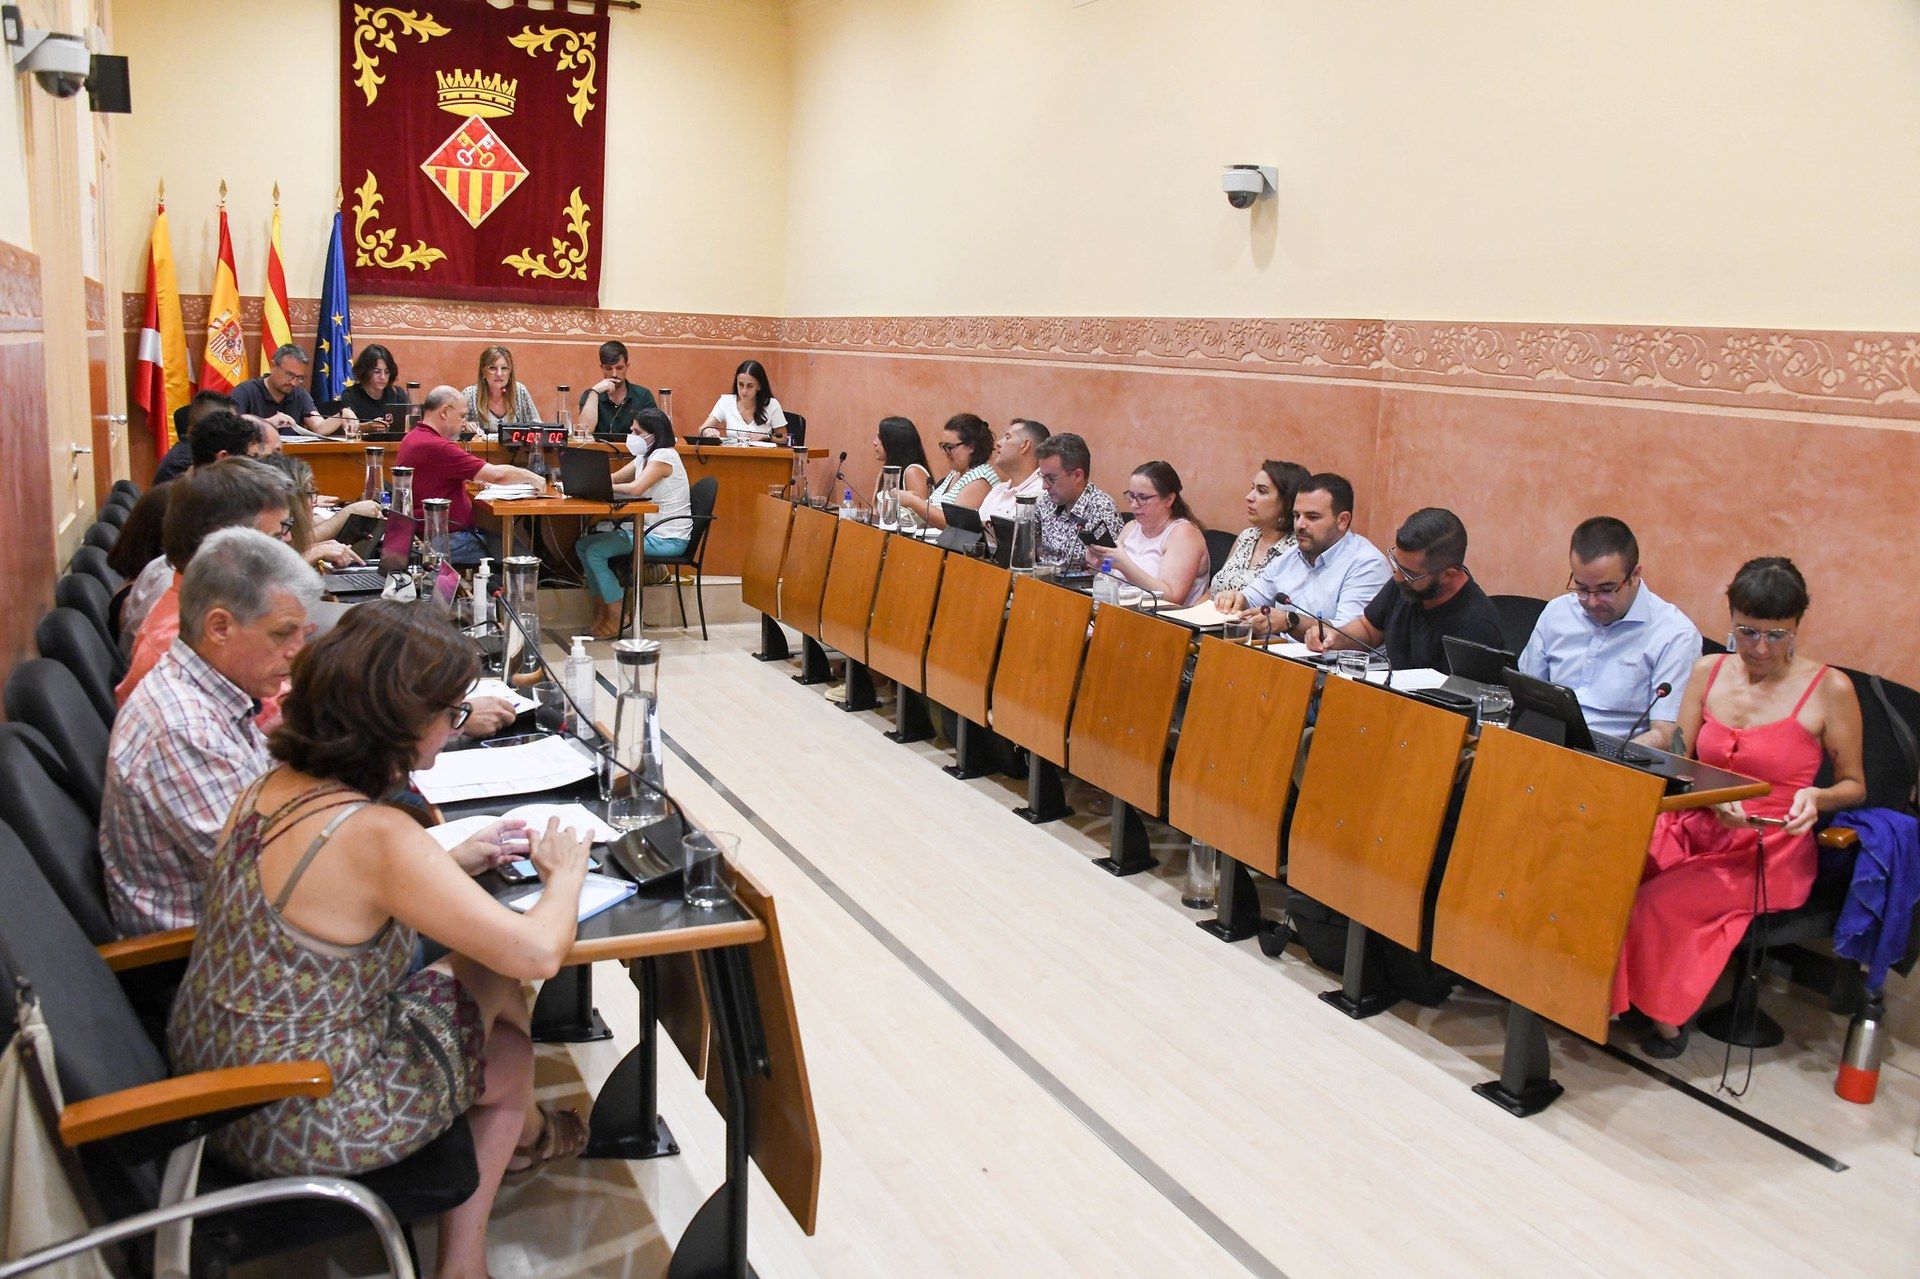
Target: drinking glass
column 551, row 712
column 1495, row 707
column 1237, row 633
column 1350, row 663
column 350, row 428
column 704, row 856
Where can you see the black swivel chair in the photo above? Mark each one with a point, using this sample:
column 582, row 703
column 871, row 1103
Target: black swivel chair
column 84, row 593
column 93, row 560
column 1518, row 613
column 101, row 535
column 1219, row 547
column 35, row 805
column 69, row 638
column 796, row 428
column 102, row 1049
column 128, row 487
column 700, row 498
column 115, row 514
column 43, row 695
column 1891, row 776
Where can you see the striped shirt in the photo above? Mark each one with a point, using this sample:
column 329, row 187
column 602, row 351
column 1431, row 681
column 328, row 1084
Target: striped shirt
column 184, row 747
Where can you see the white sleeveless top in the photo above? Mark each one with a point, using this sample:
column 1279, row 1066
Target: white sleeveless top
column 671, row 492
column 1146, row 553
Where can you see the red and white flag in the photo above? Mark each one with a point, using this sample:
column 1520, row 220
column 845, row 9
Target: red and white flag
column 162, row 381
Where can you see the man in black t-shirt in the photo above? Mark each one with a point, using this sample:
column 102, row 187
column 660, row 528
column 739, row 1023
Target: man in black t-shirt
column 1430, row 594
column 178, row 460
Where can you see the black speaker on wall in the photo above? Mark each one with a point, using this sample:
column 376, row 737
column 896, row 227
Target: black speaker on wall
column 107, row 86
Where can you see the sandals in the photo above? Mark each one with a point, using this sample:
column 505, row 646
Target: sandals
column 562, row 1135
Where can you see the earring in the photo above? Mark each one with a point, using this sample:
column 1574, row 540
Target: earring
column 1729, row 641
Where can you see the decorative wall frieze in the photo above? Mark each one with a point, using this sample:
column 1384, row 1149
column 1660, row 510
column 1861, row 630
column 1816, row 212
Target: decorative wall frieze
column 19, row 289
column 1857, row 373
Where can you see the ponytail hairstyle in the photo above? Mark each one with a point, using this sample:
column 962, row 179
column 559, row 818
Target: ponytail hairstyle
column 1166, row 482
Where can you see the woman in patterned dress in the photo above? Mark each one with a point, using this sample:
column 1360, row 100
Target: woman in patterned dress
column 1270, row 507
column 317, row 895
column 967, row 442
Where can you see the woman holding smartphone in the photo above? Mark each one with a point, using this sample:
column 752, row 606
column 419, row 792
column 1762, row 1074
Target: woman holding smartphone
column 1772, row 713
column 376, row 396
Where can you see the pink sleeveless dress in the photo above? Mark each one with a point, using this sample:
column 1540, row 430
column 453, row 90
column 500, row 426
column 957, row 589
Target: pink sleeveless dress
column 1699, row 890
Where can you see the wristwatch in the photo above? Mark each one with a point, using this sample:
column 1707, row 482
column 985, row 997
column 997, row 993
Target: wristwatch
column 1293, row 620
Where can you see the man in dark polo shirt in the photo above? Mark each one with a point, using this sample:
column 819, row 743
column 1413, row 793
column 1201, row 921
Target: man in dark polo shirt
column 441, row 468
column 178, row 460
column 607, row 407
column 278, row 398
column 1430, row 594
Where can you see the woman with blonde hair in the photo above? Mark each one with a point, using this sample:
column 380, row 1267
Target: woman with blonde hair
column 496, row 397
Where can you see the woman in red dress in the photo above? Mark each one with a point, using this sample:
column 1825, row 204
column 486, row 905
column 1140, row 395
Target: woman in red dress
column 1772, row 713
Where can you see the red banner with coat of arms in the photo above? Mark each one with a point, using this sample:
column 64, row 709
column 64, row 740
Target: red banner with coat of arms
column 473, row 150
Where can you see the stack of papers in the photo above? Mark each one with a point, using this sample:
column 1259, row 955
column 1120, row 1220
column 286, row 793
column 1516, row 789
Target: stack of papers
column 575, row 817
column 597, row 893
column 548, row 764
column 505, row 692
column 504, row 493
column 1202, row 615
column 1412, row 680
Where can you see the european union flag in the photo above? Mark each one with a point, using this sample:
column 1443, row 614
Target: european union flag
column 333, row 344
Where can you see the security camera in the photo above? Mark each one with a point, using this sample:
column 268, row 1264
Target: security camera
column 1246, row 183
column 60, row 62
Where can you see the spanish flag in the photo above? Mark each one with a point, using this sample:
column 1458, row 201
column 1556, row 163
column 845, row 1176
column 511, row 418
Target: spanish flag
column 162, row 382
column 224, row 366
column 275, row 332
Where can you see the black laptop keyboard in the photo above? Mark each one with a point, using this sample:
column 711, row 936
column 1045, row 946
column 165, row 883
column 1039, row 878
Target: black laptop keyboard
column 355, row 581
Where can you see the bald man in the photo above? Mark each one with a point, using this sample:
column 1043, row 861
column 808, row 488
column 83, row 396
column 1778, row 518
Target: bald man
column 441, row 468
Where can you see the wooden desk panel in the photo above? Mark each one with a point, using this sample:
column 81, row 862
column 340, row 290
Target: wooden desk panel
column 1379, row 776
column 1541, row 879
column 760, row 573
column 903, row 611
column 1123, row 714
column 1039, row 667
column 803, row 573
column 967, row 629
column 847, row 605
column 1238, row 743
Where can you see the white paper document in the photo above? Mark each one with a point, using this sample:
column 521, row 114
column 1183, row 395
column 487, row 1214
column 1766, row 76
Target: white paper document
column 505, row 692
column 482, row 773
column 1203, row 615
column 1413, row 680
column 575, row 817
column 597, row 893
column 503, row 493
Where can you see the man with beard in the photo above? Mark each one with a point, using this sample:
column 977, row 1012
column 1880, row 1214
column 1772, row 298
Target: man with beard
column 1430, row 595
column 1331, row 572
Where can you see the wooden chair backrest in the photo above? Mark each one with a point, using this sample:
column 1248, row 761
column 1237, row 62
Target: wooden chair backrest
column 1379, row 777
column 766, row 547
column 903, row 611
column 965, row 642
column 1233, row 768
column 786, row 1136
column 1123, row 713
column 847, row 605
column 1540, row 883
column 1039, row 667
column 803, row 574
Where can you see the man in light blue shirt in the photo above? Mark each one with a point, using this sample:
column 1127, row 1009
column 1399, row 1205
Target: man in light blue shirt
column 1613, row 641
column 1331, row 571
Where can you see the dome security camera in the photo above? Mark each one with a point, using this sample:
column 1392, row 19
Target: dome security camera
column 1246, row 184
column 60, row 62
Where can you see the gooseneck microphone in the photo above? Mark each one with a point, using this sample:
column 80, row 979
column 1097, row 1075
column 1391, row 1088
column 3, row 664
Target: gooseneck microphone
column 840, row 479
column 1287, row 602
column 1627, row 751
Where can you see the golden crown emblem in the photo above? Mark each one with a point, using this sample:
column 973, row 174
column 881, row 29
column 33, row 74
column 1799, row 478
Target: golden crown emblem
column 468, row 93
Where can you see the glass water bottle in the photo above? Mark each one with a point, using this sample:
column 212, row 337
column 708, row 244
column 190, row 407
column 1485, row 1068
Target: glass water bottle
column 523, row 599
column 411, row 418
column 665, row 400
column 886, row 503
column 402, row 507
column 631, row 783
column 797, row 477
column 1026, row 534
column 1203, row 876
column 374, row 487
column 435, row 513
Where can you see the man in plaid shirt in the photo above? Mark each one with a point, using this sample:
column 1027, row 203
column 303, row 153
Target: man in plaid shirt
column 1070, row 504
column 185, row 745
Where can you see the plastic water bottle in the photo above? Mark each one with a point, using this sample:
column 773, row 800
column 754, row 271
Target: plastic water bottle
column 1106, row 589
column 846, row 505
column 482, row 596
column 580, row 681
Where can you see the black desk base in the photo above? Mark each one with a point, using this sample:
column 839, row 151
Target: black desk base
column 911, row 720
column 714, row 1245
column 773, row 641
column 1526, row 1085
column 564, row 1012
column 1236, row 909
column 626, row 1115
column 1128, row 852
column 1046, row 792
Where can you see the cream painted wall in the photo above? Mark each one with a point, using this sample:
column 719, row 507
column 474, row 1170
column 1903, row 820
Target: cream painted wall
column 1732, row 162
column 696, row 149
column 16, row 221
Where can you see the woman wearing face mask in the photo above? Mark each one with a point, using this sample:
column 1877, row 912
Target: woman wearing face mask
column 1773, row 713
column 751, row 412
column 1162, row 550
column 1270, row 535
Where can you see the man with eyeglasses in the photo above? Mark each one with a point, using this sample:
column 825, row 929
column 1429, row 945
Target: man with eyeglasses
column 1612, row 640
column 1073, row 512
column 1430, row 595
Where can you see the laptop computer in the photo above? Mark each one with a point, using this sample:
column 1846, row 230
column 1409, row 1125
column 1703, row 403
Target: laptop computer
column 358, row 580
column 1478, row 662
column 586, row 475
column 1551, row 713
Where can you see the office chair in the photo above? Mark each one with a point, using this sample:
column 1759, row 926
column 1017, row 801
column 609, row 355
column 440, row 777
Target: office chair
column 68, row 637
column 87, row 595
column 43, row 695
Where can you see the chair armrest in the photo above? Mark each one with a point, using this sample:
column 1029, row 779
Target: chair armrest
column 191, row 1096
column 147, row 950
column 1839, row 838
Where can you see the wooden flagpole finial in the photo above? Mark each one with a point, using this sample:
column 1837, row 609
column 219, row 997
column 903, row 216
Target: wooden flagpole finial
column 223, row 193
column 276, row 195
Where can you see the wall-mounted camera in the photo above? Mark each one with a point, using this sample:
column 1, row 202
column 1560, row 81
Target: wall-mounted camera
column 1247, row 183
column 59, row 61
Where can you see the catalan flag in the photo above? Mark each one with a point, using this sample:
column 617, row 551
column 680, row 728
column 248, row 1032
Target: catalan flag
column 333, row 344
column 275, row 332
column 224, row 366
column 162, row 381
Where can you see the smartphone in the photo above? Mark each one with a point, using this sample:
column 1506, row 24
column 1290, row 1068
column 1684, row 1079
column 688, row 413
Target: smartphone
column 521, row 869
column 518, row 739
column 1095, row 539
column 1767, row 821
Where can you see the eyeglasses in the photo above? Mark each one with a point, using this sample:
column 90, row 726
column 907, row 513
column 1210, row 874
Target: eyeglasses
column 286, row 528
column 458, row 716
column 1751, row 635
column 949, row 448
column 1608, row 591
column 1141, row 499
column 1411, row 578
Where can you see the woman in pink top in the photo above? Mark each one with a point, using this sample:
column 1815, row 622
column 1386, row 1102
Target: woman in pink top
column 1773, row 714
column 1161, row 550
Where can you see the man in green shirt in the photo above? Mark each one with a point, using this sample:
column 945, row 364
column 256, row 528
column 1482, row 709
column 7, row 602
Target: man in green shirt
column 607, row 407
